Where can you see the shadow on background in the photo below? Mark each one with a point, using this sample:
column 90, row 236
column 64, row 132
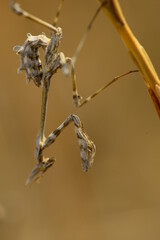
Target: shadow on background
column 119, row 198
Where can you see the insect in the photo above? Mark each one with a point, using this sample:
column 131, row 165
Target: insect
column 41, row 76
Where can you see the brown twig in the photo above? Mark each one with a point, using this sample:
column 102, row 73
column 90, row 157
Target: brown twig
column 19, row 11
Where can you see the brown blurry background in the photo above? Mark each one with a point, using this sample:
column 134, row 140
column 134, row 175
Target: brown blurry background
column 119, row 198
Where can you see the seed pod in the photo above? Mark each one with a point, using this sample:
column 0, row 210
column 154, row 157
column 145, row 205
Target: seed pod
column 30, row 61
column 52, row 55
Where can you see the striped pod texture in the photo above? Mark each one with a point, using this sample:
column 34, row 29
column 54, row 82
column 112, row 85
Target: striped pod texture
column 30, row 60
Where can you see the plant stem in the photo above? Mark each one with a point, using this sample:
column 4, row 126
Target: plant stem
column 45, row 90
column 18, row 10
column 138, row 54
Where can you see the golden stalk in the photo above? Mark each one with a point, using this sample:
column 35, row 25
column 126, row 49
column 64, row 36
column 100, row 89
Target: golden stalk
column 138, row 54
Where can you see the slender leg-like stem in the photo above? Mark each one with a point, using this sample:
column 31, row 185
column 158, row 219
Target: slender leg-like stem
column 45, row 90
column 77, row 98
column 18, row 10
column 105, row 86
column 87, row 147
column 41, row 134
column 81, row 43
column 58, row 13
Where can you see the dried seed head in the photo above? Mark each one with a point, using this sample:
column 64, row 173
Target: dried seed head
column 52, row 56
column 87, row 149
column 30, row 61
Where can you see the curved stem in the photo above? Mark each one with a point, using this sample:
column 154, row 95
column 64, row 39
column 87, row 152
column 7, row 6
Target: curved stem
column 138, row 54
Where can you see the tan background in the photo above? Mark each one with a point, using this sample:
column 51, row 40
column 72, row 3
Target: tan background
column 119, row 198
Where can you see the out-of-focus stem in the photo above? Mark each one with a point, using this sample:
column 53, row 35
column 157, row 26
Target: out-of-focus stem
column 113, row 10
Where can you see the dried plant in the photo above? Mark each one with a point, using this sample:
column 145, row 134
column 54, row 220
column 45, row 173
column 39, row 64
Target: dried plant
column 30, row 62
column 41, row 75
column 138, row 54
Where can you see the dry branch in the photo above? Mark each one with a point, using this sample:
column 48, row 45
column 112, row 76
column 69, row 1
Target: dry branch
column 138, row 54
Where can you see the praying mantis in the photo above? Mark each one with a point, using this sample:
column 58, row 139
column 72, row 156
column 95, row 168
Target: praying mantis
column 41, row 76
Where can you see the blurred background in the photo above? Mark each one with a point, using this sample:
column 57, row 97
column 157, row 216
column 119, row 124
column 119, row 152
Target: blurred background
column 119, row 198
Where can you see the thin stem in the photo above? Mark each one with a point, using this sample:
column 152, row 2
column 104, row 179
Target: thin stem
column 106, row 86
column 81, row 43
column 38, row 20
column 18, row 10
column 45, row 90
column 58, row 13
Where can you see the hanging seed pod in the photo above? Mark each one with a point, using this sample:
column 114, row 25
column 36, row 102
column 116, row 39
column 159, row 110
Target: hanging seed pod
column 52, row 55
column 30, row 61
